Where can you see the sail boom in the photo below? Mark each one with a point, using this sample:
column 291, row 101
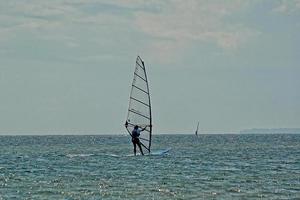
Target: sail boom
column 140, row 125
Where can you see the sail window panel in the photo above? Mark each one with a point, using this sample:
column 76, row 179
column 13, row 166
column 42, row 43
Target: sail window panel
column 137, row 119
column 139, row 105
column 140, row 96
column 144, row 138
column 140, row 109
column 139, row 63
column 139, row 83
column 140, row 73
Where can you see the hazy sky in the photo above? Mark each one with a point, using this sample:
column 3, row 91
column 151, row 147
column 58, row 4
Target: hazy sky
column 67, row 66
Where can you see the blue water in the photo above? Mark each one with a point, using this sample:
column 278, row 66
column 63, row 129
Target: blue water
column 102, row 167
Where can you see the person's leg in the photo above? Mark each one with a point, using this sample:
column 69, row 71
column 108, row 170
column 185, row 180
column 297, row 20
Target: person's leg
column 141, row 150
column 134, row 148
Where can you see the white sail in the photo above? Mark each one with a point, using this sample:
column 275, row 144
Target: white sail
column 139, row 110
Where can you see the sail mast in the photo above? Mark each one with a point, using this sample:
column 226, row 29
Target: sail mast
column 150, row 110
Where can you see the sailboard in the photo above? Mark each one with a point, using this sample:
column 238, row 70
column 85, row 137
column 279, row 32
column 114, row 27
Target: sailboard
column 160, row 152
column 196, row 132
column 139, row 109
column 154, row 153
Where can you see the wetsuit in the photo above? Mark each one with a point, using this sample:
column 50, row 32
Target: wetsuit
column 136, row 141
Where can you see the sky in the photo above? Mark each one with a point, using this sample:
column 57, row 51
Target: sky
column 66, row 66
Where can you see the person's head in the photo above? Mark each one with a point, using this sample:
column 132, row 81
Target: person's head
column 136, row 127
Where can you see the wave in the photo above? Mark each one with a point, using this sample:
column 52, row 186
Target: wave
column 79, row 155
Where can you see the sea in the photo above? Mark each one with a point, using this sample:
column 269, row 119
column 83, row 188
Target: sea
column 216, row 166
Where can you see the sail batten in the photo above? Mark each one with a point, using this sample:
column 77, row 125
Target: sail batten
column 140, row 65
column 140, row 77
column 139, row 111
column 139, row 114
column 139, row 101
column 140, row 89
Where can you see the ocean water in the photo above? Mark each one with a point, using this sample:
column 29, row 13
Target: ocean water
column 102, row 167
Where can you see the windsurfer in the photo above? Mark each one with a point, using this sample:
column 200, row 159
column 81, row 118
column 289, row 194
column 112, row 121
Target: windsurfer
column 135, row 138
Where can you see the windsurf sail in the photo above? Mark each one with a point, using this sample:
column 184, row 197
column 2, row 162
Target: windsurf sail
column 139, row 110
column 196, row 132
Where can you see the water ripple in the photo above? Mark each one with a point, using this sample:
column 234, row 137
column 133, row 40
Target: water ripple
column 101, row 167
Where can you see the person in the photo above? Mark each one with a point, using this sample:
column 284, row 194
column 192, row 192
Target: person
column 135, row 138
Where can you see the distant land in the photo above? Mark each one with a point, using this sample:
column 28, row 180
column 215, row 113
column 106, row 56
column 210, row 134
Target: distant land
column 271, row 131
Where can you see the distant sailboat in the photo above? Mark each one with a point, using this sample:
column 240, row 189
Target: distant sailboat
column 196, row 132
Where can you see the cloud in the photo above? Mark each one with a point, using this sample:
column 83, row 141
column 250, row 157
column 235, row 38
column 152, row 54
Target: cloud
column 287, row 7
column 168, row 27
column 32, row 16
column 60, row 21
column 181, row 23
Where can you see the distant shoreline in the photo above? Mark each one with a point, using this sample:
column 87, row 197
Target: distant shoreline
column 156, row 134
column 271, row 131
